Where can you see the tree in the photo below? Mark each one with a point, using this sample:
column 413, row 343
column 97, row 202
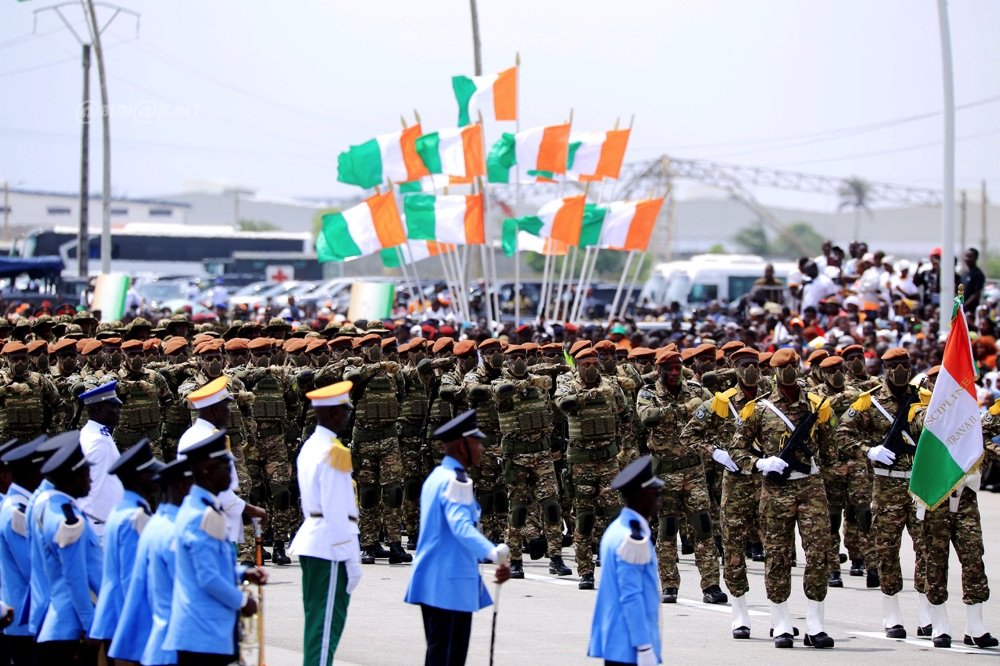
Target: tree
column 807, row 237
column 855, row 193
column 256, row 225
column 753, row 239
column 717, row 248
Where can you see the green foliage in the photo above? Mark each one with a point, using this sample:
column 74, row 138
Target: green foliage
column 754, row 239
column 256, row 225
column 717, row 248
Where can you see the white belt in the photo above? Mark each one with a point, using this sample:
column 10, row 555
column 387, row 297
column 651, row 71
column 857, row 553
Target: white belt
column 892, row 473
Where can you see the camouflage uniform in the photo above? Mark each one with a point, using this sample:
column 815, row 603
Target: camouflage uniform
column 177, row 415
column 440, row 410
column 714, row 425
column 592, row 415
column 490, row 488
column 800, row 499
column 145, row 395
column 69, row 387
column 304, row 381
column 30, row 405
column 375, row 444
column 559, row 440
column 860, row 479
column 862, row 427
column 629, row 428
column 412, row 444
column 525, row 414
column 681, row 468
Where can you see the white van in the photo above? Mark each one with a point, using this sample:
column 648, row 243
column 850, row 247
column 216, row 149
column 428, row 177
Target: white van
column 708, row 277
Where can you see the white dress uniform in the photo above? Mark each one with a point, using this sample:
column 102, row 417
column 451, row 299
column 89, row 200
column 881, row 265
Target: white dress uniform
column 232, row 504
column 106, row 490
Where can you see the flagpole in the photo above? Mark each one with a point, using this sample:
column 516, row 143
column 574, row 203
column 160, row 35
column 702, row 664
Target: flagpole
column 562, row 311
column 621, row 282
column 540, row 309
column 635, row 279
column 579, row 287
column 517, row 193
column 948, row 209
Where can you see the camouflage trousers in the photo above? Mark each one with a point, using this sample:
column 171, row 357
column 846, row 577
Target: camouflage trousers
column 274, row 472
column 859, row 543
column 628, row 449
column 125, row 438
column 685, row 494
column 410, row 451
column 246, row 550
column 892, row 510
column 169, row 437
column 713, row 481
column 835, row 482
column 801, row 502
column 531, row 478
column 491, row 493
column 739, row 509
column 962, row 528
column 379, row 472
column 594, row 505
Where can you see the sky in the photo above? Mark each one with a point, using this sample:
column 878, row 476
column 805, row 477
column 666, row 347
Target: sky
column 266, row 94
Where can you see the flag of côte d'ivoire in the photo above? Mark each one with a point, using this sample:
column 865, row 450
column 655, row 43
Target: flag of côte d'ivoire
column 951, row 444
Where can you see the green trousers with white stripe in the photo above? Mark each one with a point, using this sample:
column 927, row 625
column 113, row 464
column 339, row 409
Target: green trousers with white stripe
column 325, row 599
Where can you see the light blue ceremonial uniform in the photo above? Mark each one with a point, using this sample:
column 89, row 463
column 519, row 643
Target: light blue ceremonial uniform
column 72, row 566
column 207, row 596
column 628, row 601
column 15, row 558
column 449, row 547
column 38, row 591
column 121, row 538
column 144, row 617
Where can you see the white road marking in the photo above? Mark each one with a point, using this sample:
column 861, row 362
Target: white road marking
column 957, row 646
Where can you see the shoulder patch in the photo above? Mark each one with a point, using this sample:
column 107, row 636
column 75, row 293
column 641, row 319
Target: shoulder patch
column 460, row 491
column 863, row 403
column 339, row 457
column 213, row 523
column 18, row 522
column 701, row 413
column 634, row 548
column 70, row 529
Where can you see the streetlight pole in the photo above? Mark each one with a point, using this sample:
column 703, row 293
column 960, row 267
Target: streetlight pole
column 83, row 233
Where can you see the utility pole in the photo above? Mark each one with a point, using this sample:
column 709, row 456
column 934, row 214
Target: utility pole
column 477, row 47
column 95, row 30
column 948, row 205
column 984, row 248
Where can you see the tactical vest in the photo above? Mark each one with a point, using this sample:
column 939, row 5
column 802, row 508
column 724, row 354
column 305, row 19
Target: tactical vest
column 23, row 413
column 378, row 406
column 531, row 415
column 593, row 424
column 141, row 407
column 269, row 399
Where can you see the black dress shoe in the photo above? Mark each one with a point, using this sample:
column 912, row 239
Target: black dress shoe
column 857, row 567
column 557, row 567
column 279, row 557
column 367, row 557
column 783, row 641
column 895, row 631
column 741, row 633
column 835, row 580
column 821, row 640
column 713, row 594
column 586, row 582
column 397, row 555
column 795, row 632
column 926, row 631
column 873, row 580
column 516, row 569
column 669, row 596
column 984, row 641
column 942, row 641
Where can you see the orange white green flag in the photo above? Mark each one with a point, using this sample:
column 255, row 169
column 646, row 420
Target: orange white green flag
column 628, row 225
column 494, row 95
column 364, row 229
column 414, row 251
column 454, row 218
column 386, row 157
column 596, row 155
column 536, row 150
column 456, row 151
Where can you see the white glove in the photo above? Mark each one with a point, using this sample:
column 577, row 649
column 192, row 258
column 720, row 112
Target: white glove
column 645, row 656
column 353, row 574
column 771, row 464
column 722, row 457
column 880, row 454
column 500, row 554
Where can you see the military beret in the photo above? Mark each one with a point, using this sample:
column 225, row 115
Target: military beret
column 605, row 345
column 315, row 344
column 112, row 342
column 152, row 343
column 817, row 356
column 38, row 346
column 389, row 342
column 552, row 347
column 852, row 349
column 831, row 362
column 489, row 344
column 732, row 346
column 355, row 343
column 719, row 354
column 764, row 358
column 407, row 346
column 260, row 344
column 531, row 346
column 896, row 354
column 672, row 346
column 933, row 372
column 784, row 356
column 686, row 354
column 236, row 344
column 442, row 344
column 370, row 339
column 201, row 337
column 578, row 345
column 589, row 352
column 90, row 346
column 667, row 356
column 213, row 346
column 174, row 345
column 63, row 345
column 294, row 345
column 464, row 348
column 342, row 342
column 13, row 347
column 132, row 345
column 419, row 340
column 642, row 354
column 743, row 353
column 704, row 349
column 513, row 349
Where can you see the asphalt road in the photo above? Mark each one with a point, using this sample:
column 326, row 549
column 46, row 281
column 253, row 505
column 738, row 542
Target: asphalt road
column 545, row 620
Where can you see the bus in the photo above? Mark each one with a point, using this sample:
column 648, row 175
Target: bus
column 145, row 249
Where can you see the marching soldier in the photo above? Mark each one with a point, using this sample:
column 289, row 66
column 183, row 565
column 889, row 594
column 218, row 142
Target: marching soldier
column 145, row 394
column 791, row 429
column 176, row 415
column 30, row 405
column 68, row 381
column 410, row 429
column 664, row 408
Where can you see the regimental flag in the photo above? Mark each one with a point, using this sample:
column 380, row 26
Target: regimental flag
column 413, row 251
column 446, row 218
column 456, row 152
column 539, row 149
column 951, row 443
column 569, row 220
column 629, row 224
column 596, row 155
column 386, row 157
column 362, row 230
column 495, row 95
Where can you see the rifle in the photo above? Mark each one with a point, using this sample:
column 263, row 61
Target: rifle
column 796, row 442
column 896, row 438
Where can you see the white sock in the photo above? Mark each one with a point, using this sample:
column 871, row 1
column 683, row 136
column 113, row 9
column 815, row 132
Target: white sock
column 891, row 615
column 974, row 626
column 814, row 617
column 741, row 615
column 923, row 610
column 781, row 619
column 941, row 624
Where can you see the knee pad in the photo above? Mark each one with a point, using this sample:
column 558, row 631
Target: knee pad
column 585, row 522
column 392, row 495
column 551, row 510
column 488, row 504
column 368, row 496
column 701, row 524
column 411, row 490
column 668, row 528
column 500, row 504
column 863, row 514
column 518, row 514
column 281, row 497
column 609, row 513
column 835, row 522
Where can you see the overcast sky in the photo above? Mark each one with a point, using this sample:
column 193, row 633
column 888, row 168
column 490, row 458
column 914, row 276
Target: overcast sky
column 265, row 94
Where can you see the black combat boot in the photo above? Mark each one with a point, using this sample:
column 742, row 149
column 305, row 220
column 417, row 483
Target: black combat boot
column 857, row 567
column 557, row 567
column 516, row 569
column 687, row 546
column 537, row 547
column 411, row 541
column 669, row 596
column 586, row 582
column 279, row 557
column 378, row 552
column 367, row 555
column 757, row 552
column 397, row 555
column 713, row 594
column 835, row 580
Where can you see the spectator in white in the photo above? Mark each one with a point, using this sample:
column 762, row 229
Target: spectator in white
column 816, row 286
column 868, row 286
column 857, row 251
column 220, row 296
column 133, row 301
column 823, row 259
column 834, row 264
column 901, row 284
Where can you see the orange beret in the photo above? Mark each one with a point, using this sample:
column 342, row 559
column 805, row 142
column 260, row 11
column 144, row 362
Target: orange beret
column 258, row 344
column 784, row 356
column 38, row 345
column 112, row 342
column 342, row 342
column 407, row 346
column 174, row 345
column 744, row 352
column 90, row 346
column 552, row 347
column 817, row 356
column 389, row 342
column 295, row 345
column 236, row 344
column 831, row 362
column 933, row 372
column 13, row 347
column 719, row 354
column 513, row 349
column 704, row 349
column 764, row 358
column 313, row 344
column 355, row 343
column 852, row 349
column 151, row 343
column 201, row 337
column 577, row 346
column 667, row 356
column 489, row 344
column 589, row 352
column 605, row 345
column 896, row 354
column 442, row 344
column 369, row 339
column 132, row 345
column 686, row 353
column 211, row 346
column 531, row 346
column 65, row 344
column 464, row 348
column 732, row 346
column 642, row 354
